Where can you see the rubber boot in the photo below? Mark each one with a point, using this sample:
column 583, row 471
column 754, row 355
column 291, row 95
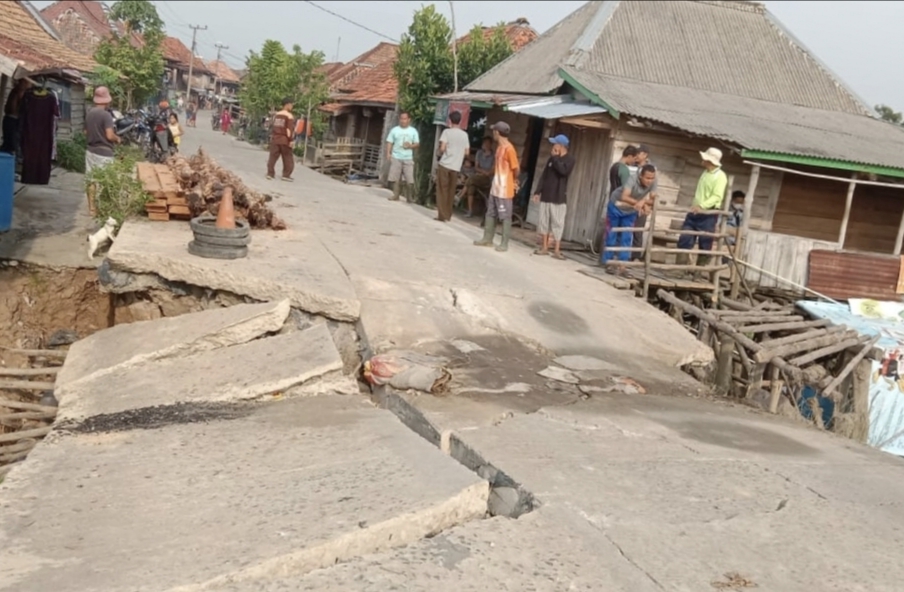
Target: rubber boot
column 489, row 231
column 506, row 233
column 396, row 191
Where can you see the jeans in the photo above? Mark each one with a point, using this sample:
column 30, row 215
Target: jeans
column 616, row 218
column 698, row 223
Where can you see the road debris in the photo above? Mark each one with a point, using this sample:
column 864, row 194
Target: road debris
column 406, row 370
column 559, row 374
column 734, row 581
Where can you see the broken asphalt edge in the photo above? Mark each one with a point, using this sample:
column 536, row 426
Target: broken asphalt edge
column 506, row 496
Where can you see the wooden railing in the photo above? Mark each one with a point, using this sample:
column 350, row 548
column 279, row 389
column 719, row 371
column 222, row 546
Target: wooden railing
column 718, row 252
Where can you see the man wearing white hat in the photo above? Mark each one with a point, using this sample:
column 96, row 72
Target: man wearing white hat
column 708, row 197
column 100, row 131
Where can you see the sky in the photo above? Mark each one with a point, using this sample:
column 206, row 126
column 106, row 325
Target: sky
column 856, row 39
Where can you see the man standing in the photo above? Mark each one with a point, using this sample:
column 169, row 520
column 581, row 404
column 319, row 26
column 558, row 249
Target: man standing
column 553, row 196
column 400, row 145
column 624, row 204
column 735, row 216
column 483, row 176
column 99, row 131
column 500, row 203
column 453, row 145
column 643, row 158
column 620, row 172
column 281, row 130
column 708, row 197
column 11, row 113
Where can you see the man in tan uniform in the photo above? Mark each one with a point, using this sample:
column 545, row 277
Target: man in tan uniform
column 282, row 129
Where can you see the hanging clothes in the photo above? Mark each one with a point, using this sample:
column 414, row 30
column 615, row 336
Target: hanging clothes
column 39, row 112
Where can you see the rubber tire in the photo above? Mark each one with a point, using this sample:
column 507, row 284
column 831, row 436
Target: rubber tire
column 199, row 228
column 223, row 241
column 211, row 252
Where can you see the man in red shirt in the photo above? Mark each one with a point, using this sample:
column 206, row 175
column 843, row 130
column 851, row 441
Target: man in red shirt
column 500, row 204
column 282, row 129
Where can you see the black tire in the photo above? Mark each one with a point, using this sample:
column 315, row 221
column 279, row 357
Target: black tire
column 211, row 252
column 223, row 241
column 203, row 226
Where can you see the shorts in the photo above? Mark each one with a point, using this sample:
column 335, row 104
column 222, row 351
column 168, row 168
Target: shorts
column 552, row 219
column 401, row 168
column 96, row 161
column 500, row 207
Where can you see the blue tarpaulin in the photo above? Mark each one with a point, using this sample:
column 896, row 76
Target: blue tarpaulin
column 886, row 393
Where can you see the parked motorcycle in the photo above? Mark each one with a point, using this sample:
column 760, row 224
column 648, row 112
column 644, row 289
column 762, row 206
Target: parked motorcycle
column 132, row 127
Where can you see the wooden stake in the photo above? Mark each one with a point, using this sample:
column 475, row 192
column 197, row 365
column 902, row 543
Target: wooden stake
column 775, row 390
column 33, row 433
column 832, row 389
column 802, row 346
column 38, row 353
column 792, row 326
column 26, row 385
column 827, row 351
column 29, row 371
column 26, row 406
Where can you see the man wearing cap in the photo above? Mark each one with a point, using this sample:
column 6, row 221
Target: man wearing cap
column 553, row 196
column 708, row 198
column 99, row 131
column 501, row 202
column 453, row 145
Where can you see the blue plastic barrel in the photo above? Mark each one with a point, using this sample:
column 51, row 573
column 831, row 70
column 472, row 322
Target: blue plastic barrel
column 7, row 190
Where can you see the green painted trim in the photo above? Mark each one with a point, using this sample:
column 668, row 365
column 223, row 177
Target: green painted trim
column 827, row 163
column 595, row 98
column 477, row 104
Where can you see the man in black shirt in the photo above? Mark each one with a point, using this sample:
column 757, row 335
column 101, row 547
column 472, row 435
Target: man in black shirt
column 553, row 196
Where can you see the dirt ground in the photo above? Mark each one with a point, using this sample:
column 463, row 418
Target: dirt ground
column 37, row 302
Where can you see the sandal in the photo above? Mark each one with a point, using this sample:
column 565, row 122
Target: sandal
column 558, row 256
column 540, row 252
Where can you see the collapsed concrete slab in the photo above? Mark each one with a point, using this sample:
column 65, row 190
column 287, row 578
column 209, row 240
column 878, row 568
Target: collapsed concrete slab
column 549, row 550
column 289, row 264
column 241, row 372
column 126, row 345
column 232, row 493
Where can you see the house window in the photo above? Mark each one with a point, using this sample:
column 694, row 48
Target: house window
column 65, row 96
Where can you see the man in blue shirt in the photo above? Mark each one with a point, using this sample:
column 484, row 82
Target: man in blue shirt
column 400, row 145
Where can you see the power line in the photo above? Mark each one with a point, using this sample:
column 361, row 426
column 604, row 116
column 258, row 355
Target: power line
column 351, row 22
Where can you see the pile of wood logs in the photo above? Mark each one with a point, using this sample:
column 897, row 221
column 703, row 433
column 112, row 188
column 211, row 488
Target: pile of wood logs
column 203, row 181
column 24, row 423
column 775, row 341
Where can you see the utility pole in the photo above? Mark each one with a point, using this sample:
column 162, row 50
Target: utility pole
column 220, row 47
column 194, row 45
column 454, row 45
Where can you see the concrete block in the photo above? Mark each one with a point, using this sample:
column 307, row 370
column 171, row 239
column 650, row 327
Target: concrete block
column 232, row 495
column 123, row 346
column 241, row 372
column 289, row 264
column 549, row 550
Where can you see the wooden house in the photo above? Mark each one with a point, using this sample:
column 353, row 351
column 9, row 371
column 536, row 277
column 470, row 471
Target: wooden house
column 822, row 171
column 30, row 47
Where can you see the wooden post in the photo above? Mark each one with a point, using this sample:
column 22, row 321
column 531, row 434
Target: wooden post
column 899, row 241
column 719, row 242
column 849, row 200
column 725, row 366
column 648, row 252
column 775, row 390
column 745, row 226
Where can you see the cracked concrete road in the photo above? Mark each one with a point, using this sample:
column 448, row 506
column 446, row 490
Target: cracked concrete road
column 636, row 492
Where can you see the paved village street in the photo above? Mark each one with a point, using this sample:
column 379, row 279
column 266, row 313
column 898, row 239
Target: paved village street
column 319, row 490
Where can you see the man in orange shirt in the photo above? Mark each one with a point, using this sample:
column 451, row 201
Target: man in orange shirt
column 500, row 204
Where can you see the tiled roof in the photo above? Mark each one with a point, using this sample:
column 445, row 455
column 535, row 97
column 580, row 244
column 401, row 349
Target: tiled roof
column 754, row 124
column 342, row 77
column 723, row 46
column 24, row 40
column 223, row 72
column 92, row 14
column 518, row 32
column 176, row 51
column 330, row 67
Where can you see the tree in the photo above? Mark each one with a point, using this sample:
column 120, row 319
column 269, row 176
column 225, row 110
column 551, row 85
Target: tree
column 275, row 74
column 136, row 53
column 424, row 66
column 890, row 115
column 480, row 52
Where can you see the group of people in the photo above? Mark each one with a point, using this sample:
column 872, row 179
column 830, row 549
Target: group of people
column 496, row 173
column 633, row 194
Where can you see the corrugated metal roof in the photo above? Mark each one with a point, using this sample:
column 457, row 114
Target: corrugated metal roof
column 498, row 99
column 555, row 108
column 752, row 123
column 533, row 69
column 725, row 46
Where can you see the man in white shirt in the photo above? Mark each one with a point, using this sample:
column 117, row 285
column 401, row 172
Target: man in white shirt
column 453, row 145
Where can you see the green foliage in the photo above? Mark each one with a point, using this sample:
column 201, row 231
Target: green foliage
column 424, row 66
column 140, row 65
column 275, row 74
column 71, row 153
column 890, row 115
column 481, row 52
column 113, row 80
column 118, row 193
